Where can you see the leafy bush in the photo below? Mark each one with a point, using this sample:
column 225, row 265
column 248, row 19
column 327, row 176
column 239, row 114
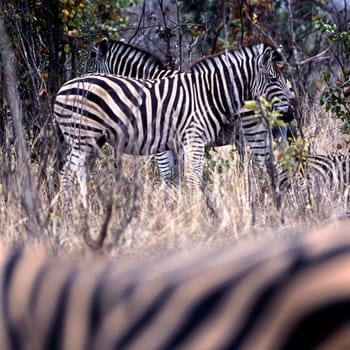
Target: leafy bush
column 335, row 97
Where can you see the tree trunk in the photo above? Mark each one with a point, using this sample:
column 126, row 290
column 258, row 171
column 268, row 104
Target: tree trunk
column 27, row 189
column 53, row 23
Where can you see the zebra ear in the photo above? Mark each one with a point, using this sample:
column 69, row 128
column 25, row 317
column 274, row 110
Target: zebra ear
column 102, row 47
column 267, row 56
column 274, row 56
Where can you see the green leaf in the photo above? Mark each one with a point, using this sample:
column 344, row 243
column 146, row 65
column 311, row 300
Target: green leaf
column 251, row 105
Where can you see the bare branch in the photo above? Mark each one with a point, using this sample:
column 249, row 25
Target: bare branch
column 291, row 30
column 316, row 57
column 138, row 28
column 271, row 41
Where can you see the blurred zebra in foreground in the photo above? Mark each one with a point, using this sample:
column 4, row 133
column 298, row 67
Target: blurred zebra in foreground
column 183, row 113
column 291, row 293
column 316, row 173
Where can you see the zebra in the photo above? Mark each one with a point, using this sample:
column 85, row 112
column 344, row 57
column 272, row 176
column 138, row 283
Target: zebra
column 290, row 293
column 316, row 172
column 119, row 58
column 115, row 57
column 183, row 112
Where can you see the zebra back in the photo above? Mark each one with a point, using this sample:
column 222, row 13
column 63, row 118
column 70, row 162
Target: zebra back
column 119, row 58
column 284, row 294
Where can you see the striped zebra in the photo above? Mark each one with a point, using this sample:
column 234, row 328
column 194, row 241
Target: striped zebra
column 315, row 173
column 119, row 58
column 115, row 57
column 183, row 113
column 291, row 293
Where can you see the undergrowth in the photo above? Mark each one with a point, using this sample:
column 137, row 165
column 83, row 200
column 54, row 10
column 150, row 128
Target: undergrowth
column 131, row 214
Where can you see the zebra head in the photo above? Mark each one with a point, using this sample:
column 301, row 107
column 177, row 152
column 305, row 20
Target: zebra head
column 273, row 86
column 98, row 60
column 271, row 83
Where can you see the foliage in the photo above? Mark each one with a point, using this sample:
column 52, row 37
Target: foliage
column 294, row 154
column 335, row 97
column 216, row 163
column 264, row 109
column 81, row 17
column 336, row 100
column 222, row 24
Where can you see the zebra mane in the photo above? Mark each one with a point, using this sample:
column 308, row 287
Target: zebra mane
column 104, row 45
column 258, row 48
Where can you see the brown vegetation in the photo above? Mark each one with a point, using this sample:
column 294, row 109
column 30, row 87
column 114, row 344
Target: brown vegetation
column 131, row 214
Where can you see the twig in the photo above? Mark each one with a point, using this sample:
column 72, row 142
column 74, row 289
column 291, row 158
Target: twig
column 270, row 160
column 138, row 28
column 241, row 20
column 272, row 42
column 291, row 30
column 98, row 243
column 318, row 56
column 117, row 234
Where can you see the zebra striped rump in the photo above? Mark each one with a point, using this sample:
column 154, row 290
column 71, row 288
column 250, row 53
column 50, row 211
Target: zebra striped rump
column 291, row 293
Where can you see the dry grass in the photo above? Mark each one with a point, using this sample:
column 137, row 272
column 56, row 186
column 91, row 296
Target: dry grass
column 139, row 218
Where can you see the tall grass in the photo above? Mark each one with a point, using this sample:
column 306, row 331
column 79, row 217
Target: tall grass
column 130, row 213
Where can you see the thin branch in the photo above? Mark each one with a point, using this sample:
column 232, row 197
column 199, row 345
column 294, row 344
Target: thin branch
column 291, row 31
column 138, row 28
column 318, row 56
column 272, row 42
column 241, row 20
column 98, row 243
column 179, row 33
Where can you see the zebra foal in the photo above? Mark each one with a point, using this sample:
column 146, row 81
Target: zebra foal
column 184, row 111
column 315, row 173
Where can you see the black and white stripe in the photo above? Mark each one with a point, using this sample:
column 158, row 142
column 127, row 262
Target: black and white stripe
column 282, row 294
column 119, row 58
column 316, row 173
column 185, row 111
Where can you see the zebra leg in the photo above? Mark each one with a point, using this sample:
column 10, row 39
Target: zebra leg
column 193, row 163
column 76, row 166
column 168, row 167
